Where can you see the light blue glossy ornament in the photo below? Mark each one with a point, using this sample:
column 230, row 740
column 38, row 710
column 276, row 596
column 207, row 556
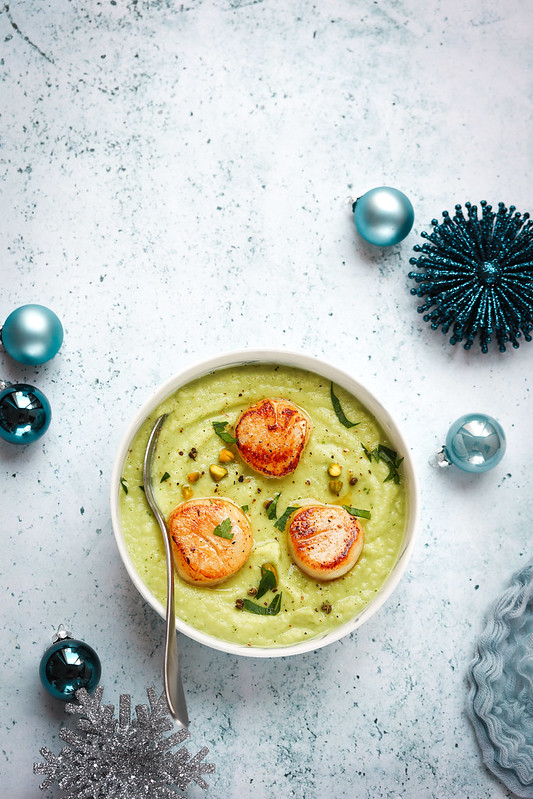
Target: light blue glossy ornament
column 383, row 216
column 25, row 413
column 475, row 443
column 32, row 334
column 69, row 665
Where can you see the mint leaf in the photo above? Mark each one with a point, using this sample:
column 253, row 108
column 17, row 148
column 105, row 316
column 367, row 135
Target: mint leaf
column 219, row 428
column 282, row 521
column 271, row 610
column 338, row 410
column 364, row 514
column 271, row 510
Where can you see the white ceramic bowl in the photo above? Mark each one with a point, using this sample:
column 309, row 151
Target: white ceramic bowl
column 338, row 377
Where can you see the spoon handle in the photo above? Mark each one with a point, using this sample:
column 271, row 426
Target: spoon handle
column 172, row 675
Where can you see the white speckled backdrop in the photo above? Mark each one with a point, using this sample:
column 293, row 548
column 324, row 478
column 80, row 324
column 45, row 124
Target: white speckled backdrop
column 176, row 181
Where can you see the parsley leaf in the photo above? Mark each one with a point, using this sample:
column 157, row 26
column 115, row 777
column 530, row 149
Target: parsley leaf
column 165, row 477
column 223, row 530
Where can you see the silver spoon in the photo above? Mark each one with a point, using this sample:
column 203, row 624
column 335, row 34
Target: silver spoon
column 172, row 676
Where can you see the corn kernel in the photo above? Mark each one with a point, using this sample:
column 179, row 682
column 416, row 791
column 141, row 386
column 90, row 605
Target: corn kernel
column 335, row 486
column 187, row 492
column 334, row 470
column 193, row 477
column 226, row 456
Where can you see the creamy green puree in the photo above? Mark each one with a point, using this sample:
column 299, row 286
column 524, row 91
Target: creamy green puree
column 221, row 396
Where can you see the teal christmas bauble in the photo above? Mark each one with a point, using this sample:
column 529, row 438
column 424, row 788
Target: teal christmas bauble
column 67, row 666
column 475, row 443
column 383, row 216
column 32, row 334
column 25, row 413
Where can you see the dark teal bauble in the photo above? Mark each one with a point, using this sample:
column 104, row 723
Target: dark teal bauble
column 25, row 413
column 67, row 666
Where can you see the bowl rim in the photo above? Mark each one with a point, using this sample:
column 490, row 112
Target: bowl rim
column 338, row 376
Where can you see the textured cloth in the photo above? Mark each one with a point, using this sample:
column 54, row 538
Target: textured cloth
column 500, row 701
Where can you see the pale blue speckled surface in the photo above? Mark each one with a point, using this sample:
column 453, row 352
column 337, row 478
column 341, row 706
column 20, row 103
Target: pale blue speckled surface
column 176, row 181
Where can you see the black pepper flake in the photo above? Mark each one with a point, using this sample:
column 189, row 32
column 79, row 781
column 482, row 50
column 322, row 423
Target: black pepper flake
column 326, row 607
column 239, row 604
column 193, row 453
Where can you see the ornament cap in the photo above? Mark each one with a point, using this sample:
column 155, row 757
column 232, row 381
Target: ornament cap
column 62, row 634
column 440, row 460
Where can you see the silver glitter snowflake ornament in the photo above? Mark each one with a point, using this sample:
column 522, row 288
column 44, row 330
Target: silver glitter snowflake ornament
column 478, row 275
column 121, row 759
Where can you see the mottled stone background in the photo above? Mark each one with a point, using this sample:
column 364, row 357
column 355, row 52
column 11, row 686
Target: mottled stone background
column 176, row 181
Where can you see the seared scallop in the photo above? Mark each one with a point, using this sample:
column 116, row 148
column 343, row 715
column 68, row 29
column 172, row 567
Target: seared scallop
column 211, row 540
column 325, row 541
column 271, row 436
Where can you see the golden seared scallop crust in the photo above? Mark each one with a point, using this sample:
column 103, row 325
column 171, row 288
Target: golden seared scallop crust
column 325, row 541
column 271, row 436
column 200, row 556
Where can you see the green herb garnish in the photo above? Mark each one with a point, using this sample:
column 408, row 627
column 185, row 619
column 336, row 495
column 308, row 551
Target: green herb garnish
column 271, row 610
column 124, row 485
column 338, row 410
column 367, row 452
column 268, row 582
column 364, row 514
column 165, row 477
column 388, row 456
column 282, row 521
column 223, row 530
column 271, row 510
column 245, row 508
column 220, row 430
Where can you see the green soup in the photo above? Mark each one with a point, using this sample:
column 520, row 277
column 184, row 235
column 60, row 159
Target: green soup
column 188, row 443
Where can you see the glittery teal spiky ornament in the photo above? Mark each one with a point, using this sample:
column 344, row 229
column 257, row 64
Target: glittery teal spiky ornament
column 478, row 275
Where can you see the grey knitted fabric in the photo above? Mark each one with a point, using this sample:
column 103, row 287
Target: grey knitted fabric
column 500, row 700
